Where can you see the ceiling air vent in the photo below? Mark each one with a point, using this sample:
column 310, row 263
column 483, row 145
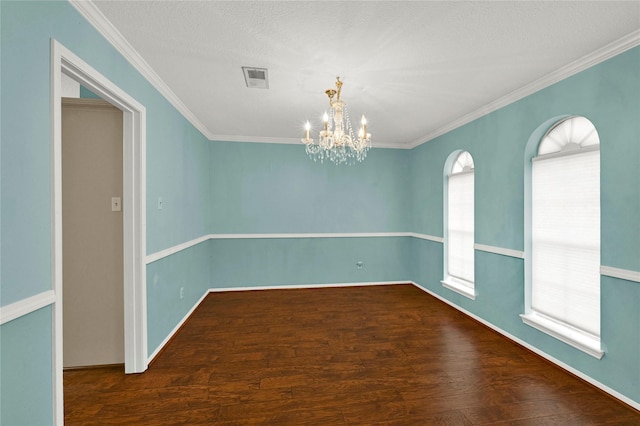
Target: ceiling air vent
column 256, row 78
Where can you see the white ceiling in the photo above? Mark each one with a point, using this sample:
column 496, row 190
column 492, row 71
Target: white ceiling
column 414, row 68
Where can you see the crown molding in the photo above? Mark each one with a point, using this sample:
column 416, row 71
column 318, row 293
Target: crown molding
column 389, row 146
column 96, row 18
column 100, row 22
column 606, row 52
column 255, row 139
column 285, row 141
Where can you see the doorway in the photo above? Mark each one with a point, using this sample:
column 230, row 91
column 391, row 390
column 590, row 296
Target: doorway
column 92, row 242
column 63, row 61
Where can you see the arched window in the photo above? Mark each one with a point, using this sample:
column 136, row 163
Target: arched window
column 565, row 235
column 459, row 226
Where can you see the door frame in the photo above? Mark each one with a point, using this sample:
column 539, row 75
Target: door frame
column 63, row 61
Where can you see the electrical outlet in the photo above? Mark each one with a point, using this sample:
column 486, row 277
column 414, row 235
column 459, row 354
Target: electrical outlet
column 181, row 292
column 360, row 264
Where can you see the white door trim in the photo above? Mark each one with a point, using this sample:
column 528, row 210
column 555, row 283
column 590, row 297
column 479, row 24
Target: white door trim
column 134, row 215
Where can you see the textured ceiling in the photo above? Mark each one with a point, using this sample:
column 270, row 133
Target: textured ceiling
column 413, row 68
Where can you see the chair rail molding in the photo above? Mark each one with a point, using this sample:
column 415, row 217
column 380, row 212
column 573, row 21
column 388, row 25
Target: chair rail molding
column 23, row 307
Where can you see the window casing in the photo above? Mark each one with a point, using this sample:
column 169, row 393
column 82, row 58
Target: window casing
column 565, row 235
column 459, row 227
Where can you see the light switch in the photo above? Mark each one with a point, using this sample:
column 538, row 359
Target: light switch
column 116, row 204
column 160, row 203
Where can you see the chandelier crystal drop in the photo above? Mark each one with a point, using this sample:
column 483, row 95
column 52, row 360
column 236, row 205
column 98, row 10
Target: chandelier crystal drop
column 337, row 141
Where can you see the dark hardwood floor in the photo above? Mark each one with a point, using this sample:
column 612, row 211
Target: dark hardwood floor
column 383, row 355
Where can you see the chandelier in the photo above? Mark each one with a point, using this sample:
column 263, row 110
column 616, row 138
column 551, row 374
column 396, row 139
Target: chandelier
column 337, row 141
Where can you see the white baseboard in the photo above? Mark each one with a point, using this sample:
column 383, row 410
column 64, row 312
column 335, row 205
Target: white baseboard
column 301, row 286
column 588, row 379
column 310, row 235
column 175, row 329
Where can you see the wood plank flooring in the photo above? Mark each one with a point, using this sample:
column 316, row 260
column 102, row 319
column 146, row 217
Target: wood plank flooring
column 381, row 355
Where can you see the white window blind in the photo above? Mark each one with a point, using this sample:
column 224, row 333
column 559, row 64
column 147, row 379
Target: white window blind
column 460, row 234
column 566, row 239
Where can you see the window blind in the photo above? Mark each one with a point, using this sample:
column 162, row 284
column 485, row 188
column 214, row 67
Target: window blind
column 460, row 233
column 566, row 239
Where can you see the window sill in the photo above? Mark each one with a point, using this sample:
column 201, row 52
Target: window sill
column 457, row 285
column 588, row 344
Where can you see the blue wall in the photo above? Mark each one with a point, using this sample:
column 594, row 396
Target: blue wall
column 87, row 94
column 220, row 187
column 177, row 170
column 300, row 261
column 177, row 154
column 258, row 188
column 26, row 381
column 267, row 188
column 607, row 94
column 188, row 269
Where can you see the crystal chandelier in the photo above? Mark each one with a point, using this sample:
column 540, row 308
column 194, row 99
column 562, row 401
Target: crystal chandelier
column 337, row 141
